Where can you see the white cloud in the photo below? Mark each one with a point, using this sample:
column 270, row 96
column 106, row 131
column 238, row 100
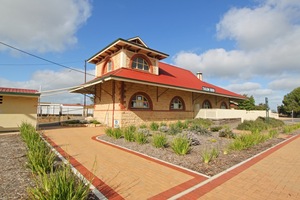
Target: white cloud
column 286, row 84
column 253, row 28
column 215, row 63
column 247, row 86
column 267, row 38
column 52, row 80
column 43, row 26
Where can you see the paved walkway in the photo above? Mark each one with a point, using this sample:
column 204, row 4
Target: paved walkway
column 122, row 174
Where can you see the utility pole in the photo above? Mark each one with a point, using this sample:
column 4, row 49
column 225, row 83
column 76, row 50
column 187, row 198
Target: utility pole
column 84, row 100
column 267, row 109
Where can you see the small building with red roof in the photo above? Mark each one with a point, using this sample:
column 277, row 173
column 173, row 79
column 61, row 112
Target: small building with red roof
column 133, row 86
column 17, row 106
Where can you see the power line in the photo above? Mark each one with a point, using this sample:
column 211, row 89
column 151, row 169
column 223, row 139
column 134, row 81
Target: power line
column 31, row 64
column 38, row 57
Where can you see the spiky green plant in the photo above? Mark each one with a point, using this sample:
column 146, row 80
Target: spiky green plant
column 61, row 184
column 154, row 126
column 181, row 145
column 141, row 138
column 159, row 140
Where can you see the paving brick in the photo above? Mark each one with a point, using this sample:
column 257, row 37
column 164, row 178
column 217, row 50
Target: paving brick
column 123, row 174
column 120, row 173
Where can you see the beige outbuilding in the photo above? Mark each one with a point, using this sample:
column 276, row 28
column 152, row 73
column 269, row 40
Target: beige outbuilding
column 17, row 106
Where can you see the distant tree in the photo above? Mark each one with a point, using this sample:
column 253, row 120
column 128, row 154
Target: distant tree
column 261, row 106
column 247, row 104
column 291, row 102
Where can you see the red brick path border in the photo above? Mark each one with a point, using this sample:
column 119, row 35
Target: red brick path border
column 172, row 191
column 107, row 191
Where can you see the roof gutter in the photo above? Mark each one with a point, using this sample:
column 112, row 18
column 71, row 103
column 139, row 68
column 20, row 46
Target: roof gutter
column 84, row 86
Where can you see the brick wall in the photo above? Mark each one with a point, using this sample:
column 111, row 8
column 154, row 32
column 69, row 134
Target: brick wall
column 105, row 111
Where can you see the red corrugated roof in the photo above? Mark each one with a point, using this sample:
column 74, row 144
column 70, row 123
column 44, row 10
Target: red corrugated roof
column 169, row 75
column 172, row 76
column 17, row 90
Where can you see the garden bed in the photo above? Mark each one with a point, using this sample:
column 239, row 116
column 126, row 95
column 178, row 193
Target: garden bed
column 193, row 160
column 262, row 137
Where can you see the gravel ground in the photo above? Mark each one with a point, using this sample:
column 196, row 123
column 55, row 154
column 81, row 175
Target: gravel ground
column 14, row 176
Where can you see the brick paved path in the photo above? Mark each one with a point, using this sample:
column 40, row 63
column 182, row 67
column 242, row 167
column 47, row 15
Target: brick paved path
column 122, row 174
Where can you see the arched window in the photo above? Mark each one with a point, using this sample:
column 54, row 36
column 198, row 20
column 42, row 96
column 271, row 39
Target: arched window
column 109, row 66
column 177, row 103
column 206, row 104
column 140, row 63
column 223, row 105
column 140, row 100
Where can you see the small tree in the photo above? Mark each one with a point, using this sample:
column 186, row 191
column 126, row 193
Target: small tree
column 261, row 106
column 247, row 104
column 291, row 102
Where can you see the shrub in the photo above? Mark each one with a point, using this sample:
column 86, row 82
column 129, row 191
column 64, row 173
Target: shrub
column 181, row 125
column 290, row 128
column 143, row 126
column 215, row 128
column 174, row 129
column 154, row 126
column 94, row 121
column 181, row 145
column 251, row 125
column 132, row 128
column 227, row 133
column 260, row 124
column 62, row 184
column 162, row 124
column 144, row 131
column 117, row 133
column 206, row 123
column 109, row 131
column 163, row 129
column 248, row 140
column 40, row 158
column 199, row 129
column 129, row 134
column 159, row 140
column 141, row 138
column 27, row 132
column 39, row 155
column 215, row 153
column 273, row 133
column 208, row 155
column 194, row 141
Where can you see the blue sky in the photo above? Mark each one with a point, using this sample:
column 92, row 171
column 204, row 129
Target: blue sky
column 249, row 47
